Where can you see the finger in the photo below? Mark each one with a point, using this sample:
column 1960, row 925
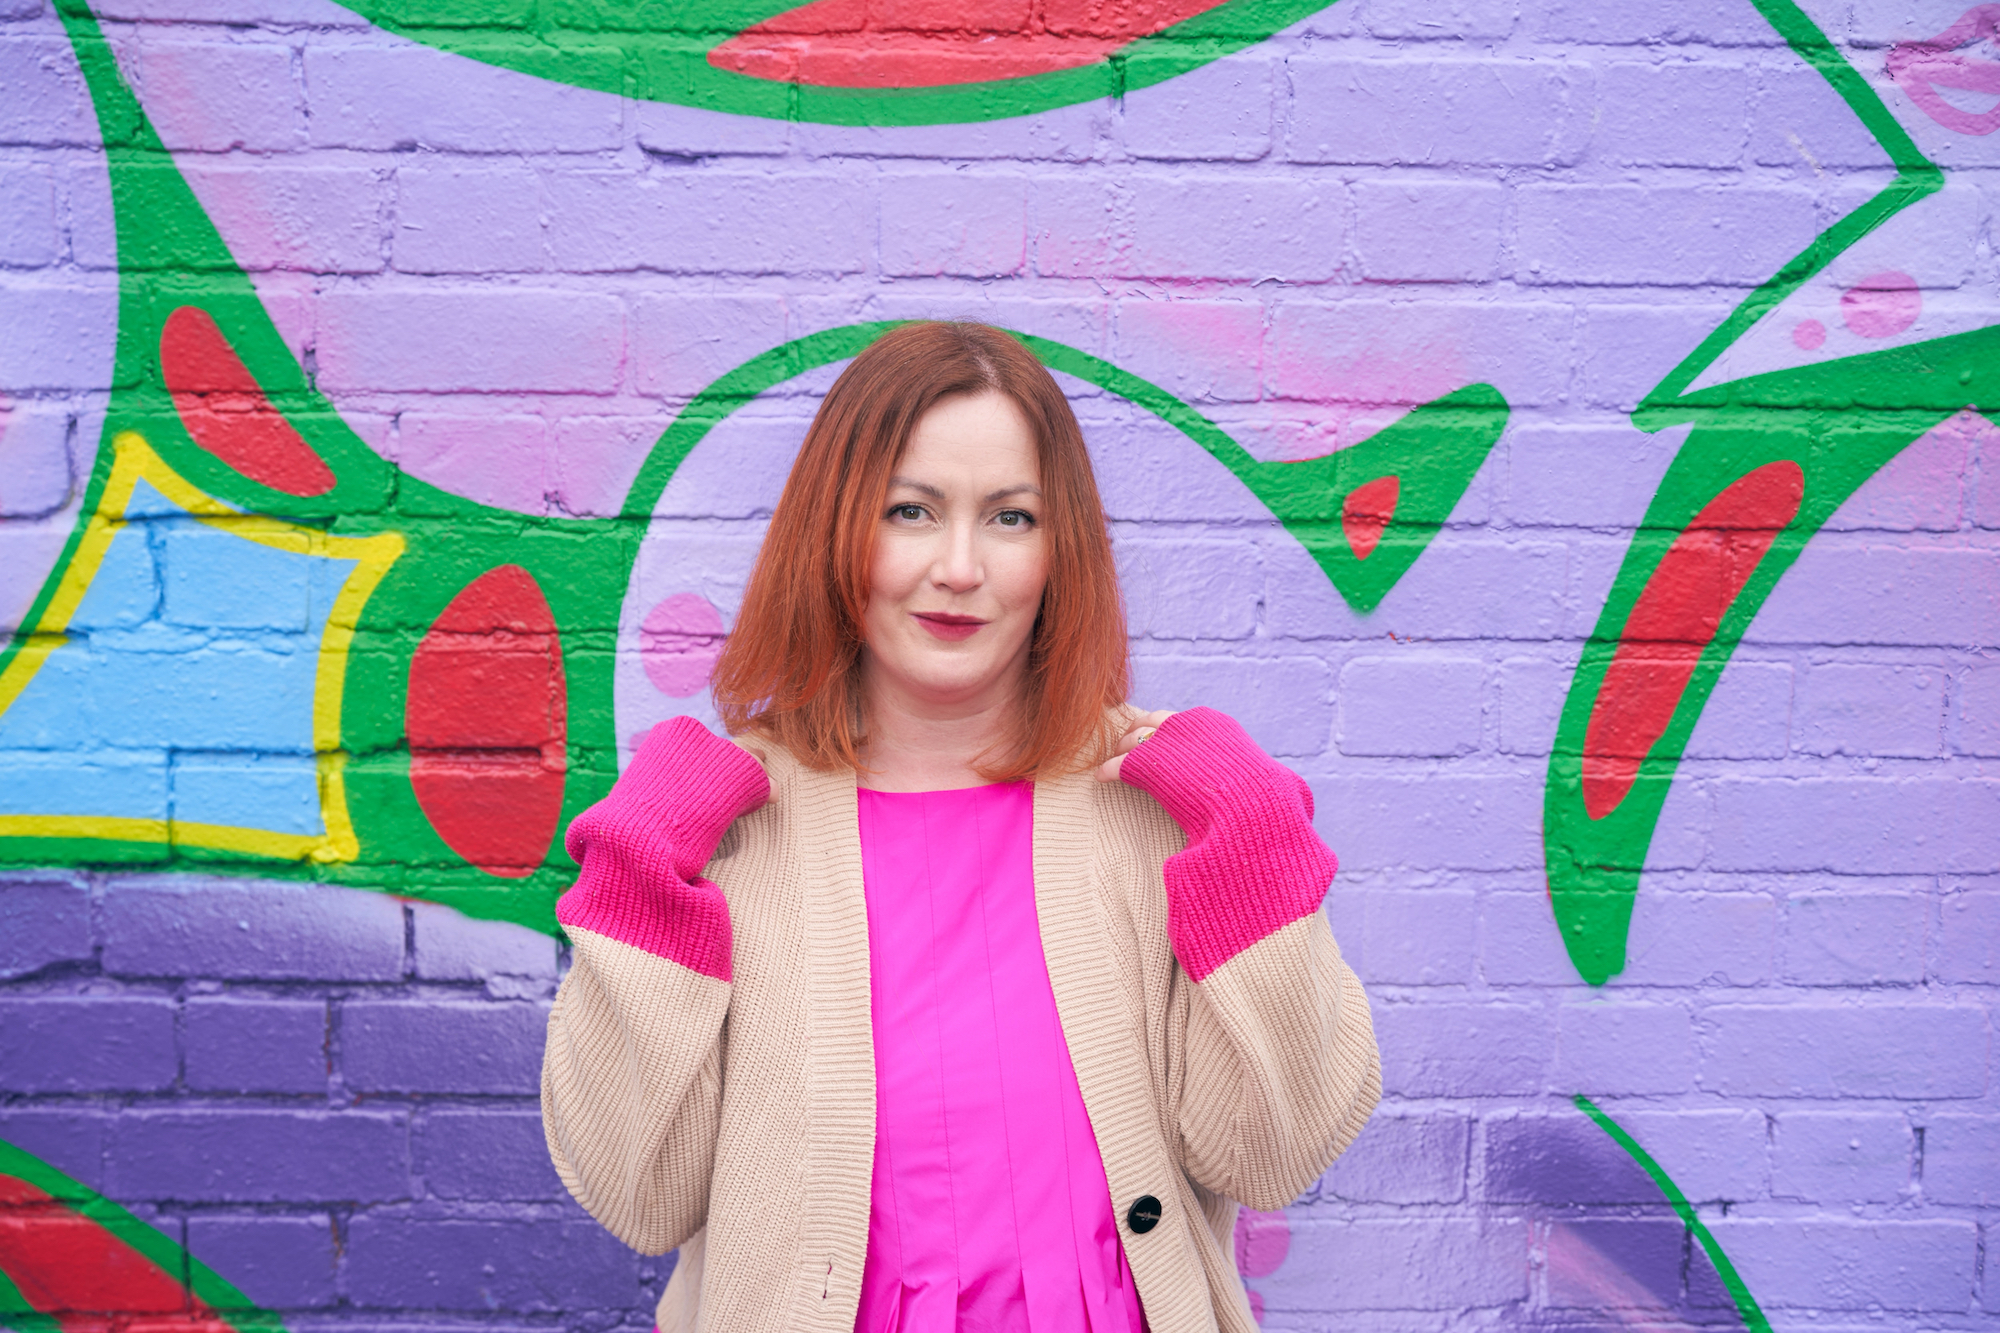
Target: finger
column 1110, row 769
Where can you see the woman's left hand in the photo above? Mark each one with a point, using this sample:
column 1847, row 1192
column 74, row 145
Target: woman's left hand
column 1141, row 726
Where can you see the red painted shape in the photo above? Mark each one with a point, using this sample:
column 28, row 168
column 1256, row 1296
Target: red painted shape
column 487, row 718
column 221, row 405
column 66, row 1265
column 935, row 43
column 1366, row 512
column 1676, row 616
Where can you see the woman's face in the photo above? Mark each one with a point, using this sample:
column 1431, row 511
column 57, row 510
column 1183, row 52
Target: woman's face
column 960, row 559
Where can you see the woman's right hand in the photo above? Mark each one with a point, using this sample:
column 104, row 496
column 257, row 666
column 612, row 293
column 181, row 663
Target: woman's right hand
column 1137, row 730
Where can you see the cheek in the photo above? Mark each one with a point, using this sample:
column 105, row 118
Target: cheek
column 1023, row 578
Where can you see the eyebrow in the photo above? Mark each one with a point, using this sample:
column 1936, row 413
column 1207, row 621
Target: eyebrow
column 923, row 488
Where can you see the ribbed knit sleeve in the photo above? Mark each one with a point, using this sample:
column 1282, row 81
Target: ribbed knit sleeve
column 632, row 1074
column 1279, row 1069
column 643, row 846
column 1253, row 863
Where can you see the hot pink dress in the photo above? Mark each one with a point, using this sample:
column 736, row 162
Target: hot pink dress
column 989, row 1206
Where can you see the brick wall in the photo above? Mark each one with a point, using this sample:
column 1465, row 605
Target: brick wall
column 479, row 291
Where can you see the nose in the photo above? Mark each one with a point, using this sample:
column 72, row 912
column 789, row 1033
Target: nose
column 958, row 567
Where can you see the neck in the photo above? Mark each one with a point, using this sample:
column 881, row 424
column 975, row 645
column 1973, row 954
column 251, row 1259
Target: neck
column 919, row 744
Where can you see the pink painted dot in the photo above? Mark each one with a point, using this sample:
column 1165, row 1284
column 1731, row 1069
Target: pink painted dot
column 679, row 642
column 1261, row 1242
column 1882, row 304
column 1809, row 335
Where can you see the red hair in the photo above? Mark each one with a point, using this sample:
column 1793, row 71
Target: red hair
column 790, row 670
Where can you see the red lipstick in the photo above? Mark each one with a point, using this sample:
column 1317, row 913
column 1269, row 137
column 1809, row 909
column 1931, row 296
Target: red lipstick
column 947, row 626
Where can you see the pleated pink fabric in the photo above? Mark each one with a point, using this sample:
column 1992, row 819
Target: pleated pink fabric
column 989, row 1209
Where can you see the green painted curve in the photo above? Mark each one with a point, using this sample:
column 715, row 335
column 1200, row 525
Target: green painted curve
column 659, row 52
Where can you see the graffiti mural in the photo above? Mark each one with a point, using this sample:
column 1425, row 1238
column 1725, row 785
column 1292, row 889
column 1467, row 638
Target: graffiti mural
column 1561, row 432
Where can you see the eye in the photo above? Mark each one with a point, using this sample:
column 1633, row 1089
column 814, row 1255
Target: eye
column 908, row 513
column 1015, row 518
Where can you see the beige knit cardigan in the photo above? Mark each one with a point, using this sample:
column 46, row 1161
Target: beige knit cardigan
column 735, row 1119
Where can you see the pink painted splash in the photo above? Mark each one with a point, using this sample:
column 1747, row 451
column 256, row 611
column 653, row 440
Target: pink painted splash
column 1809, row 335
column 679, row 642
column 1882, row 304
column 1920, row 69
column 1334, row 399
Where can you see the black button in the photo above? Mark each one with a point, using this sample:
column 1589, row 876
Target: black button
column 1143, row 1215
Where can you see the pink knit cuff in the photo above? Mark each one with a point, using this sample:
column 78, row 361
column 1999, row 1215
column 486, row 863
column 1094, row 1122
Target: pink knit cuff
column 1253, row 864
column 642, row 848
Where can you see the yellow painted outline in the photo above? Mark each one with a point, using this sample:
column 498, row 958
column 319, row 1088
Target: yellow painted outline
column 132, row 460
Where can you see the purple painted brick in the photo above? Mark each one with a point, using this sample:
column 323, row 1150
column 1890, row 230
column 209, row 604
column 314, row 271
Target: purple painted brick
column 1841, row 1157
column 1190, row 589
column 1700, row 939
column 259, row 1156
column 1403, row 1159
column 29, row 236
column 1872, row 710
column 1202, row 350
column 1917, row 591
column 1848, row 938
column 35, row 448
column 1625, row 1046
column 516, row 340
column 1615, row 1264
column 450, row 946
column 1431, row 1263
column 211, row 97
column 280, row 1263
column 1488, row 113
column 1283, row 702
column 1672, row 114
column 1374, row 350
column 1962, row 1159
column 486, row 1155
column 254, row 1045
column 43, row 920
column 46, row 103
column 1220, row 112
column 1969, row 937
column 1559, row 1161
column 1475, row 589
column 1623, row 352
column 1817, row 1049
column 1710, row 22
column 1073, row 227
column 791, row 222
column 426, row 1046
column 1412, row 706
column 245, row 929
column 1887, row 824
column 1977, row 720
column 393, row 97
column 46, row 324
column 87, row 1043
column 1428, row 231
column 1749, row 715
column 1469, row 823
column 1454, row 20
column 681, row 131
column 682, row 342
column 1519, row 944
column 68, row 1138
column 1838, row 1264
column 458, row 219
column 1530, row 692
column 542, row 1267
column 1670, row 236
column 955, row 223
column 1402, row 937
column 1215, row 226
column 1710, row 1155
column 1454, row 1049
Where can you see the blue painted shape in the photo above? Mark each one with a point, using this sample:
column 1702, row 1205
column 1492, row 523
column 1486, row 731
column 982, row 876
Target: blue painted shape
column 223, row 683
column 279, row 793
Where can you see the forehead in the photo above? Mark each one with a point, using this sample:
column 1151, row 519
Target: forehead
column 985, row 434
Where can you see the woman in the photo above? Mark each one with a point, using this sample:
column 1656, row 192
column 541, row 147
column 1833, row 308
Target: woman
column 955, row 994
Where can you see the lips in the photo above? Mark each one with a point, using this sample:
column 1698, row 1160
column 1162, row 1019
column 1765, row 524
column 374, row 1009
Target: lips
column 947, row 626
column 1921, row 68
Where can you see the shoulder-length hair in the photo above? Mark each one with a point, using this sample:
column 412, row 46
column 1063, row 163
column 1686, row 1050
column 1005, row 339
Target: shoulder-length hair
column 790, row 669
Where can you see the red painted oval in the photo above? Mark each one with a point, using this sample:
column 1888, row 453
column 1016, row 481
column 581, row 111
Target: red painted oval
column 936, row 43
column 1366, row 512
column 1674, row 620
column 225, row 410
column 487, row 719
